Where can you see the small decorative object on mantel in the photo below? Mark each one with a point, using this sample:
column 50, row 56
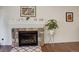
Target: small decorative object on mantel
column 41, row 19
column 35, row 19
column 27, row 18
column 69, row 16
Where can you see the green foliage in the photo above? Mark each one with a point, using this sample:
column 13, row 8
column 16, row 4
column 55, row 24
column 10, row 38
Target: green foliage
column 52, row 24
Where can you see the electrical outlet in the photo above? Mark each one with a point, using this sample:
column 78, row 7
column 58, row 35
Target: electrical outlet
column 2, row 38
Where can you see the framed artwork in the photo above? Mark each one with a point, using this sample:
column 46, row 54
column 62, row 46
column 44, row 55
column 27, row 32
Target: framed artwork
column 69, row 16
column 27, row 11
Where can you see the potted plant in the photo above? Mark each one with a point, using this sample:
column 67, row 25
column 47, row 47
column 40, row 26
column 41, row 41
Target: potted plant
column 52, row 25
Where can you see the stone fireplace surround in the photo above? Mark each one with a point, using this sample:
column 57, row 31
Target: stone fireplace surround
column 15, row 31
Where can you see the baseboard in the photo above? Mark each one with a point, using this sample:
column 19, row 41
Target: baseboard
column 61, row 42
column 5, row 46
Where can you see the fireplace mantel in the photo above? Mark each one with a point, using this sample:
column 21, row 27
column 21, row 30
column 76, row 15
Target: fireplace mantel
column 40, row 35
column 19, row 25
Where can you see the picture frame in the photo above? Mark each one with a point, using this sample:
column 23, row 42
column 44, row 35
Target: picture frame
column 27, row 11
column 69, row 16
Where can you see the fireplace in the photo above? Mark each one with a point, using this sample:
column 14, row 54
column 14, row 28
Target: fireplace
column 19, row 36
column 28, row 38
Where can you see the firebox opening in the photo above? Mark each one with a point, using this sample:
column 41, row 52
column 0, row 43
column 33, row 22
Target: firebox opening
column 28, row 38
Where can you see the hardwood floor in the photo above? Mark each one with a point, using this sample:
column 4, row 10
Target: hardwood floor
column 6, row 48
column 57, row 47
column 61, row 47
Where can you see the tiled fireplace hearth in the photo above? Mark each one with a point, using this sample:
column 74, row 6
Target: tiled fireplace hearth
column 38, row 35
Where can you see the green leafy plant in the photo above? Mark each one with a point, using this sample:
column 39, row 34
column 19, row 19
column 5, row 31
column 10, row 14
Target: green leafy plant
column 52, row 24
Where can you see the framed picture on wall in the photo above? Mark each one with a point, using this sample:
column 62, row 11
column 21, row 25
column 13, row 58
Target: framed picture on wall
column 27, row 11
column 69, row 16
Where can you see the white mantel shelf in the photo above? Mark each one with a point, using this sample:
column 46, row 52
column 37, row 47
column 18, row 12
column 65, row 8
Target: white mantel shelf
column 26, row 25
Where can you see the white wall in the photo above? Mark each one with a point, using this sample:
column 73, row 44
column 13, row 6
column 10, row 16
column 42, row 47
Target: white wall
column 67, row 31
column 3, row 28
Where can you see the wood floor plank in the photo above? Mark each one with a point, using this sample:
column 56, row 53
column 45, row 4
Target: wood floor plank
column 61, row 47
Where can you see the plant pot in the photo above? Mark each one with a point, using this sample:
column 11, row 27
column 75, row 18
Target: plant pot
column 52, row 32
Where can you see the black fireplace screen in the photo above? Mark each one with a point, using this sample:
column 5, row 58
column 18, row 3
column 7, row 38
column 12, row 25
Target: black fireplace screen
column 27, row 38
